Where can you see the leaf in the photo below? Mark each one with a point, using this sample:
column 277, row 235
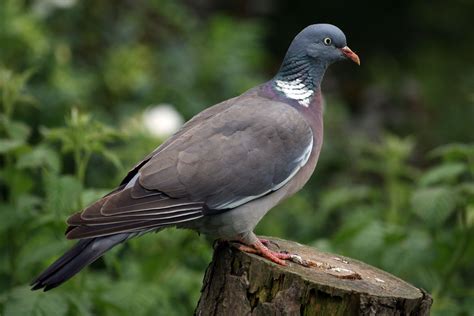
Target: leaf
column 60, row 134
column 33, row 253
column 470, row 215
column 8, row 145
column 113, row 158
column 453, row 151
column 12, row 89
column 7, row 219
column 388, row 157
column 144, row 296
column 40, row 156
column 23, row 301
column 17, row 130
column 19, row 181
column 82, row 304
column 27, row 203
column 337, row 198
column 91, row 195
column 17, row 214
column 434, row 205
column 63, row 193
column 466, row 188
column 444, row 173
column 82, row 137
column 368, row 240
column 412, row 253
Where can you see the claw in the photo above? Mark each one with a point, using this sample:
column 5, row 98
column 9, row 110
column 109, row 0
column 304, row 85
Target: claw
column 260, row 249
column 267, row 242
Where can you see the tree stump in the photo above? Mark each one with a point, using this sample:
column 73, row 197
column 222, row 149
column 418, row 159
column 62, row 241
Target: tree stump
column 238, row 283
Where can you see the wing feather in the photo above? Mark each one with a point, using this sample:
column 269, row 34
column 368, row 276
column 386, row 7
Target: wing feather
column 123, row 212
column 242, row 153
column 88, row 231
column 226, row 156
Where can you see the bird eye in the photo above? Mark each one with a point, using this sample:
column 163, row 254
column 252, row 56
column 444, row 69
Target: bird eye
column 327, row 41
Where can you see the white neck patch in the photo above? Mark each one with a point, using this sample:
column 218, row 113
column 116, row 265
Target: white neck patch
column 296, row 90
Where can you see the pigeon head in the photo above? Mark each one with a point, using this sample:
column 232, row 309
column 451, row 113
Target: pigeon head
column 310, row 53
column 325, row 43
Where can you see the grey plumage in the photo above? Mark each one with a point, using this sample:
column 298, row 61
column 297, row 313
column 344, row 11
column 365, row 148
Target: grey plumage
column 83, row 253
column 223, row 170
column 228, row 159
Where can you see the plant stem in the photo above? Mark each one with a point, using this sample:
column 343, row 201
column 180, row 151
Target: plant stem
column 81, row 161
column 11, row 233
column 452, row 265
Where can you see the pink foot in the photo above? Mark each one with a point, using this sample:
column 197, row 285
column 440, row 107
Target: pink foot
column 266, row 242
column 259, row 248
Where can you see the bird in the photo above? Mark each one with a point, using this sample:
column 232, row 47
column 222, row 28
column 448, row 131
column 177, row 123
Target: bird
column 224, row 169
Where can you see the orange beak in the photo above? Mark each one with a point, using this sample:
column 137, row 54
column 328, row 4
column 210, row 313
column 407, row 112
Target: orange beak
column 351, row 55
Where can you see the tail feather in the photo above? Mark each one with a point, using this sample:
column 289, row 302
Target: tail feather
column 75, row 259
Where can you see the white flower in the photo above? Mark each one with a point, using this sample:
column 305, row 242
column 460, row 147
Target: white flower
column 162, row 120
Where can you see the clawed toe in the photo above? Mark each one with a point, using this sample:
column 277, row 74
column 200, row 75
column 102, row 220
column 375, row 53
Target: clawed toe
column 268, row 242
column 244, row 248
column 260, row 249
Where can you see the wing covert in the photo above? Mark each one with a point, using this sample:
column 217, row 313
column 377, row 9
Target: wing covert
column 227, row 158
column 250, row 149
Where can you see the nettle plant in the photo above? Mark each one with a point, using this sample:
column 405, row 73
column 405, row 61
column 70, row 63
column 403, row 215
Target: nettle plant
column 35, row 193
column 416, row 223
column 45, row 176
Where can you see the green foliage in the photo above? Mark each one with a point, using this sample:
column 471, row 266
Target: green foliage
column 415, row 223
column 75, row 77
column 40, row 196
column 83, row 137
column 21, row 301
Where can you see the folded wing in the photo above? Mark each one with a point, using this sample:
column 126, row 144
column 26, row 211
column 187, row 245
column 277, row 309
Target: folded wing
column 247, row 149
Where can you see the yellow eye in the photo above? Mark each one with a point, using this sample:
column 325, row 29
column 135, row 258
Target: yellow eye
column 327, row 41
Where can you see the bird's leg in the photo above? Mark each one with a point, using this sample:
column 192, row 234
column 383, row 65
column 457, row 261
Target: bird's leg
column 251, row 244
column 277, row 257
column 245, row 248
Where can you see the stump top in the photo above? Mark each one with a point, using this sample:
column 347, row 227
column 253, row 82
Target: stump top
column 338, row 273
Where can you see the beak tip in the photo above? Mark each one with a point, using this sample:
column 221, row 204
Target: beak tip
column 351, row 55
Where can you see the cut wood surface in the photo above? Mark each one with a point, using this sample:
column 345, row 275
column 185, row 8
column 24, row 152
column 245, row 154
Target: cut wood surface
column 314, row 283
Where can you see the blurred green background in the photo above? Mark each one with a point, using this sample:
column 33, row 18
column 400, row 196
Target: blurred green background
column 394, row 186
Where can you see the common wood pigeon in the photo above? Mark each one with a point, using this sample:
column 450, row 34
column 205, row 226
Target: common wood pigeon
column 224, row 169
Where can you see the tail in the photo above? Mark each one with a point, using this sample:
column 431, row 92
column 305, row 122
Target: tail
column 75, row 259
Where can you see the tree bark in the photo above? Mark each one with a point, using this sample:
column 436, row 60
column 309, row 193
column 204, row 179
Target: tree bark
column 238, row 283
